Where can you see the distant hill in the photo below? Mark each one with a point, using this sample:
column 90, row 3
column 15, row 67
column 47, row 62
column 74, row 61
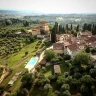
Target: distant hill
column 20, row 12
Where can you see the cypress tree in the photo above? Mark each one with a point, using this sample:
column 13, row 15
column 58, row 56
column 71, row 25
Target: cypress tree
column 77, row 29
column 94, row 30
column 56, row 27
column 89, row 27
column 60, row 28
column 71, row 27
column 93, row 25
column 53, row 35
column 67, row 27
column 85, row 27
column 63, row 30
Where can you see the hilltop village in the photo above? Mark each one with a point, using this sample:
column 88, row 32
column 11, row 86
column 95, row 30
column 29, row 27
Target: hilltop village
column 49, row 60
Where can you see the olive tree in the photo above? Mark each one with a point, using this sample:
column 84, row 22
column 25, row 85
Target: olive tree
column 47, row 87
column 49, row 55
column 66, row 93
column 65, row 87
column 81, row 58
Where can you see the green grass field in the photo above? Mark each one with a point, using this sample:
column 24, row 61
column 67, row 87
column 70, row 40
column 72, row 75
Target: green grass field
column 17, row 62
column 49, row 70
column 63, row 67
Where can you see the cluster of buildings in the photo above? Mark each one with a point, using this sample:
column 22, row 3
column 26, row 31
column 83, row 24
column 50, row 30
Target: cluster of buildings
column 42, row 29
column 39, row 31
column 68, row 44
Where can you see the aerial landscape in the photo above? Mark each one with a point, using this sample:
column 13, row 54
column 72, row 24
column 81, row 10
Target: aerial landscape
column 47, row 48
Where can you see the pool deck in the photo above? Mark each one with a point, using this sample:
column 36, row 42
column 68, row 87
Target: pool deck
column 32, row 69
column 29, row 66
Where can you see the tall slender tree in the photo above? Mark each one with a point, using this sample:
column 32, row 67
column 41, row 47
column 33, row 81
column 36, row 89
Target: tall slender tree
column 53, row 34
column 60, row 28
column 71, row 27
column 56, row 27
column 85, row 27
column 94, row 30
column 77, row 29
column 89, row 27
column 63, row 30
column 67, row 27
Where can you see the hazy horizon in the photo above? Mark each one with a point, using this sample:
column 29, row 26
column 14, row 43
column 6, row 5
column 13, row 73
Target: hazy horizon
column 50, row 6
column 33, row 11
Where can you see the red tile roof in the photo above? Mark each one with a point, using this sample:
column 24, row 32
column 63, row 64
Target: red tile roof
column 43, row 22
column 36, row 28
column 73, row 47
column 66, row 43
column 57, row 69
column 88, row 33
column 58, row 46
column 91, row 39
column 94, row 43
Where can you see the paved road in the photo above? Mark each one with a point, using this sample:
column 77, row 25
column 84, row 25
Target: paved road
column 42, row 54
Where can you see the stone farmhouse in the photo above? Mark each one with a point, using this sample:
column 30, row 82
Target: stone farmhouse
column 67, row 44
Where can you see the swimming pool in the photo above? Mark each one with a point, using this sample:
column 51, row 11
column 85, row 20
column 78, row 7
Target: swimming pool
column 31, row 63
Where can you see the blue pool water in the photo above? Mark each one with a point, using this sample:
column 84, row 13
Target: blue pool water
column 32, row 61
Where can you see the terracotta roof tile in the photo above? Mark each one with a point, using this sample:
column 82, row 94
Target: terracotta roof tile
column 91, row 39
column 36, row 28
column 58, row 46
column 73, row 47
column 57, row 69
column 43, row 22
column 88, row 33
column 66, row 43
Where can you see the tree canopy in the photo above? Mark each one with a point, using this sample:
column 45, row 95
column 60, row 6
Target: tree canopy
column 47, row 87
column 49, row 55
column 81, row 58
column 23, row 92
column 65, row 87
column 27, row 80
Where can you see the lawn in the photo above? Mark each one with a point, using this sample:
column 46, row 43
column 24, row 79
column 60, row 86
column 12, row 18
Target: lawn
column 17, row 57
column 64, row 67
column 18, row 82
column 48, row 71
column 17, row 61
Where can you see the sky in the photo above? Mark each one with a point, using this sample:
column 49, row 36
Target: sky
column 51, row 6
